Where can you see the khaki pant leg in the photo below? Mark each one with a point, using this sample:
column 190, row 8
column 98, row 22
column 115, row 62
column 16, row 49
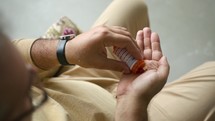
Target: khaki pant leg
column 131, row 14
column 190, row 98
column 72, row 97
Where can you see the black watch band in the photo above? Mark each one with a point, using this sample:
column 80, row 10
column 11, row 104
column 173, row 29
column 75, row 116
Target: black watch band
column 61, row 49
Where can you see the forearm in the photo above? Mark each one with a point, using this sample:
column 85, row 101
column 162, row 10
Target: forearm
column 131, row 109
column 43, row 53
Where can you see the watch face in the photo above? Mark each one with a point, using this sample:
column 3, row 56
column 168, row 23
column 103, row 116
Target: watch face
column 67, row 37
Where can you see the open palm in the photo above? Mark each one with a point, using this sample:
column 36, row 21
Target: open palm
column 150, row 82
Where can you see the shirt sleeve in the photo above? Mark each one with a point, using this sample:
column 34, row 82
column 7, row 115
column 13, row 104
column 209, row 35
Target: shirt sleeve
column 24, row 47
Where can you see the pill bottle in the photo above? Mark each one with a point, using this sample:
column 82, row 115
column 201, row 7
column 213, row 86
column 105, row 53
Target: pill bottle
column 136, row 66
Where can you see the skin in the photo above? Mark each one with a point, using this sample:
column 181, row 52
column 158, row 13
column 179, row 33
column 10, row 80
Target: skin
column 15, row 74
column 88, row 49
column 134, row 91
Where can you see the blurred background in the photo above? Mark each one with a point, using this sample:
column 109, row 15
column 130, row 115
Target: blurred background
column 186, row 27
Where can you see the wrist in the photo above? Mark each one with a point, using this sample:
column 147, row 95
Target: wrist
column 135, row 95
column 130, row 108
column 39, row 51
column 70, row 52
column 61, row 53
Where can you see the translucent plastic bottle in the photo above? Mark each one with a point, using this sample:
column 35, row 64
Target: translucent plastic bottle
column 136, row 66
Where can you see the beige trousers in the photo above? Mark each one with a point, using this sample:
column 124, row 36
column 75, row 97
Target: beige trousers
column 190, row 98
column 81, row 94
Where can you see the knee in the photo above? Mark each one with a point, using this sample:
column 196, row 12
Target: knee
column 133, row 6
column 139, row 6
column 137, row 9
column 142, row 5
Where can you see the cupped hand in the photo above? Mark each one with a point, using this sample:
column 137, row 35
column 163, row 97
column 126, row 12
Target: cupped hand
column 146, row 85
column 89, row 49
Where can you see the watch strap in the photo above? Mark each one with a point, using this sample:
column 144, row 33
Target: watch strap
column 61, row 49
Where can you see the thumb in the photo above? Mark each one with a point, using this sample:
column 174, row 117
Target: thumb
column 115, row 65
column 164, row 68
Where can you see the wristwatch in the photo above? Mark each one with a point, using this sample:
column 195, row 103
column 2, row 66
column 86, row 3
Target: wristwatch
column 61, row 49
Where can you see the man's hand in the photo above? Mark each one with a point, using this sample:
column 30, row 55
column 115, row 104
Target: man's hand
column 136, row 90
column 88, row 49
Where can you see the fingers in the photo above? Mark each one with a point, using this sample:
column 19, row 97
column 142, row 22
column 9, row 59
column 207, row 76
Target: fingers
column 121, row 38
column 120, row 30
column 123, row 31
column 139, row 39
column 147, row 43
column 156, row 48
column 111, row 64
column 122, row 41
column 120, row 27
